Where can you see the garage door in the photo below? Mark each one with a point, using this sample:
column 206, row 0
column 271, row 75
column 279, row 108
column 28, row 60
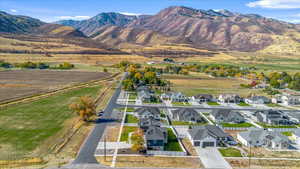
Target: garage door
column 208, row 144
column 197, row 143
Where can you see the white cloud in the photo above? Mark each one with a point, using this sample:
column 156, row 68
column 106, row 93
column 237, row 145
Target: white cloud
column 130, row 14
column 275, row 4
column 13, row 10
column 73, row 17
column 296, row 21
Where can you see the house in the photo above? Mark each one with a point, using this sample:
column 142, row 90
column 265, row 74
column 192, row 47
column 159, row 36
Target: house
column 143, row 88
column 277, row 99
column 296, row 136
column 207, row 136
column 148, row 112
column 156, row 138
column 145, row 123
column 263, row 138
column 274, row 117
column 258, row 100
column 227, row 116
column 290, row 99
column 230, row 98
column 145, row 96
column 174, row 97
column 187, row 115
column 261, row 86
column 202, row 98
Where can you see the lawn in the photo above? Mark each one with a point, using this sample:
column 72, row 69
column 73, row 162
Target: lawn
column 131, row 119
column 132, row 96
column 181, row 104
column 173, row 144
column 28, row 125
column 129, row 109
column 230, row 152
column 237, row 125
column 213, row 104
column 243, row 104
column 125, row 132
column 276, row 126
column 183, row 123
column 287, row 133
column 273, row 105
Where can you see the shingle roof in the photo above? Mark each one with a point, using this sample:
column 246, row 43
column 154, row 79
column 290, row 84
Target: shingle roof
column 226, row 113
column 185, row 114
column 156, row 133
column 152, row 110
column 261, row 134
column 146, row 122
column 205, row 96
column 200, row 132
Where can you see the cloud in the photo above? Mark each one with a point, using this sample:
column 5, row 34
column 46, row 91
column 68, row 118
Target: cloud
column 275, row 4
column 296, row 21
column 130, row 14
column 13, row 10
column 73, row 17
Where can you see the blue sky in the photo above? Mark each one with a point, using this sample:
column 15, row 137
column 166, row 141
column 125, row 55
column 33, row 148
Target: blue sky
column 53, row 10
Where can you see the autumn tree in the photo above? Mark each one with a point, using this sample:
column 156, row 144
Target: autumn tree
column 84, row 107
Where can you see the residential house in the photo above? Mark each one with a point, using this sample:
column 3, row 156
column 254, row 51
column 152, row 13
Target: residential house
column 145, row 96
column 230, row 98
column 187, row 115
column 202, row 98
column 156, row 138
column 274, row 117
column 290, row 100
column 277, row 99
column 174, row 97
column 296, row 136
column 148, row 112
column 258, row 100
column 227, row 116
column 263, row 138
column 145, row 123
column 207, row 136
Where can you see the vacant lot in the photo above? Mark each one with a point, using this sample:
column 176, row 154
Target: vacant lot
column 30, row 129
column 21, row 83
column 193, row 85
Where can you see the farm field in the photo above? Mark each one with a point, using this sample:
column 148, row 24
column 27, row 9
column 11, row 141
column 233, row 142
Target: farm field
column 31, row 129
column 196, row 84
column 16, row 84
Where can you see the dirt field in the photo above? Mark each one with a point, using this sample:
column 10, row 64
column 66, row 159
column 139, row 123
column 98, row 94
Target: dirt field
column 21, row 83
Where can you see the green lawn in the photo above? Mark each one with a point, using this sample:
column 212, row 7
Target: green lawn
column 125, row 132
column 129, row 109
column 181, row 104
column 213, row 103
column 28, row 125
column 132, row 96
column 183, row 123
column 273, row 105
column 287, row 133
column 275, row 126
column 237, row 125
column 173, row 144
column 131, row 119
column 243, row 104
column 230, row 152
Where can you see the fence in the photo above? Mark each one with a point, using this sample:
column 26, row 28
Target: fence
column 166, row 153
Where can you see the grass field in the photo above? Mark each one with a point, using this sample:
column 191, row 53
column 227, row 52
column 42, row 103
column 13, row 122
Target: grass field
column 131, row 119
column 213, row 104
column 181, row 104
column 287, row 133
column 230, row 152
column 243, row 104
column 25, row 127
column 237, row 125
column 173, row 144
column 183, row 123
column 276, row 126
column 125, row 132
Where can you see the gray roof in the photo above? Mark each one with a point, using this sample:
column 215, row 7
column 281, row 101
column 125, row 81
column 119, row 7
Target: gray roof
column 256, row 98
column 152, row 110
column 200, row 132
column 261, row 134
column 186, row 114
column 141, row 88
column 156, row 133
column 297, row 132
column 226, row 113
column 147, row 122
column 204, row 96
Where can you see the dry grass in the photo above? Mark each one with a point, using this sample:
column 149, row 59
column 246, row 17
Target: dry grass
column 266, row 164
column 111, row 133
column 190, row 148
column 264, row 153
column 153, row 162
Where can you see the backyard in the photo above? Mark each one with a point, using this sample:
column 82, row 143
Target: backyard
column 173, row 144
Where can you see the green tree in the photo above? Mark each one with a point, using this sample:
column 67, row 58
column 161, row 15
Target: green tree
column 128, row 85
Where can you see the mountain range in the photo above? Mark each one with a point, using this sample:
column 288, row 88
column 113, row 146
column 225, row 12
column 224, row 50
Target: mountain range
column 209, row 29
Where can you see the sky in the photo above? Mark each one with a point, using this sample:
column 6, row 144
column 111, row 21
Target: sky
column 53, row 10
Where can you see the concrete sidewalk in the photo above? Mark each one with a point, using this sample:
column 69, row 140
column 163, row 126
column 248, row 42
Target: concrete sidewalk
column 212, row 158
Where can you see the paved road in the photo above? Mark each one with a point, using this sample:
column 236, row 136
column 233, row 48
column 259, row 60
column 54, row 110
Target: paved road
column 86, row 153
column 211, row 158
column 207, row 108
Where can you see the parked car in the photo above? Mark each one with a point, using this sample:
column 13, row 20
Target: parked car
column 100, row 113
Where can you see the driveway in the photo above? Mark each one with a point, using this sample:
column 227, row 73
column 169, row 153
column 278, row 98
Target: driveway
column 212, row 158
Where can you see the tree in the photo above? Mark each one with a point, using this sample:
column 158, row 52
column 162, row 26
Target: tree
column 84, row 107
column 128, row 85
column 274, row 83
column 105, row 70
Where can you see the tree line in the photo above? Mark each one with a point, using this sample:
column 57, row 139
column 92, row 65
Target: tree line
column 39, row 65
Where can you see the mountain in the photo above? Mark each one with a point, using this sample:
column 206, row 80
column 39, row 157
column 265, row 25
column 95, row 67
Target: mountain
column 18, row 24
column 90, row 25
